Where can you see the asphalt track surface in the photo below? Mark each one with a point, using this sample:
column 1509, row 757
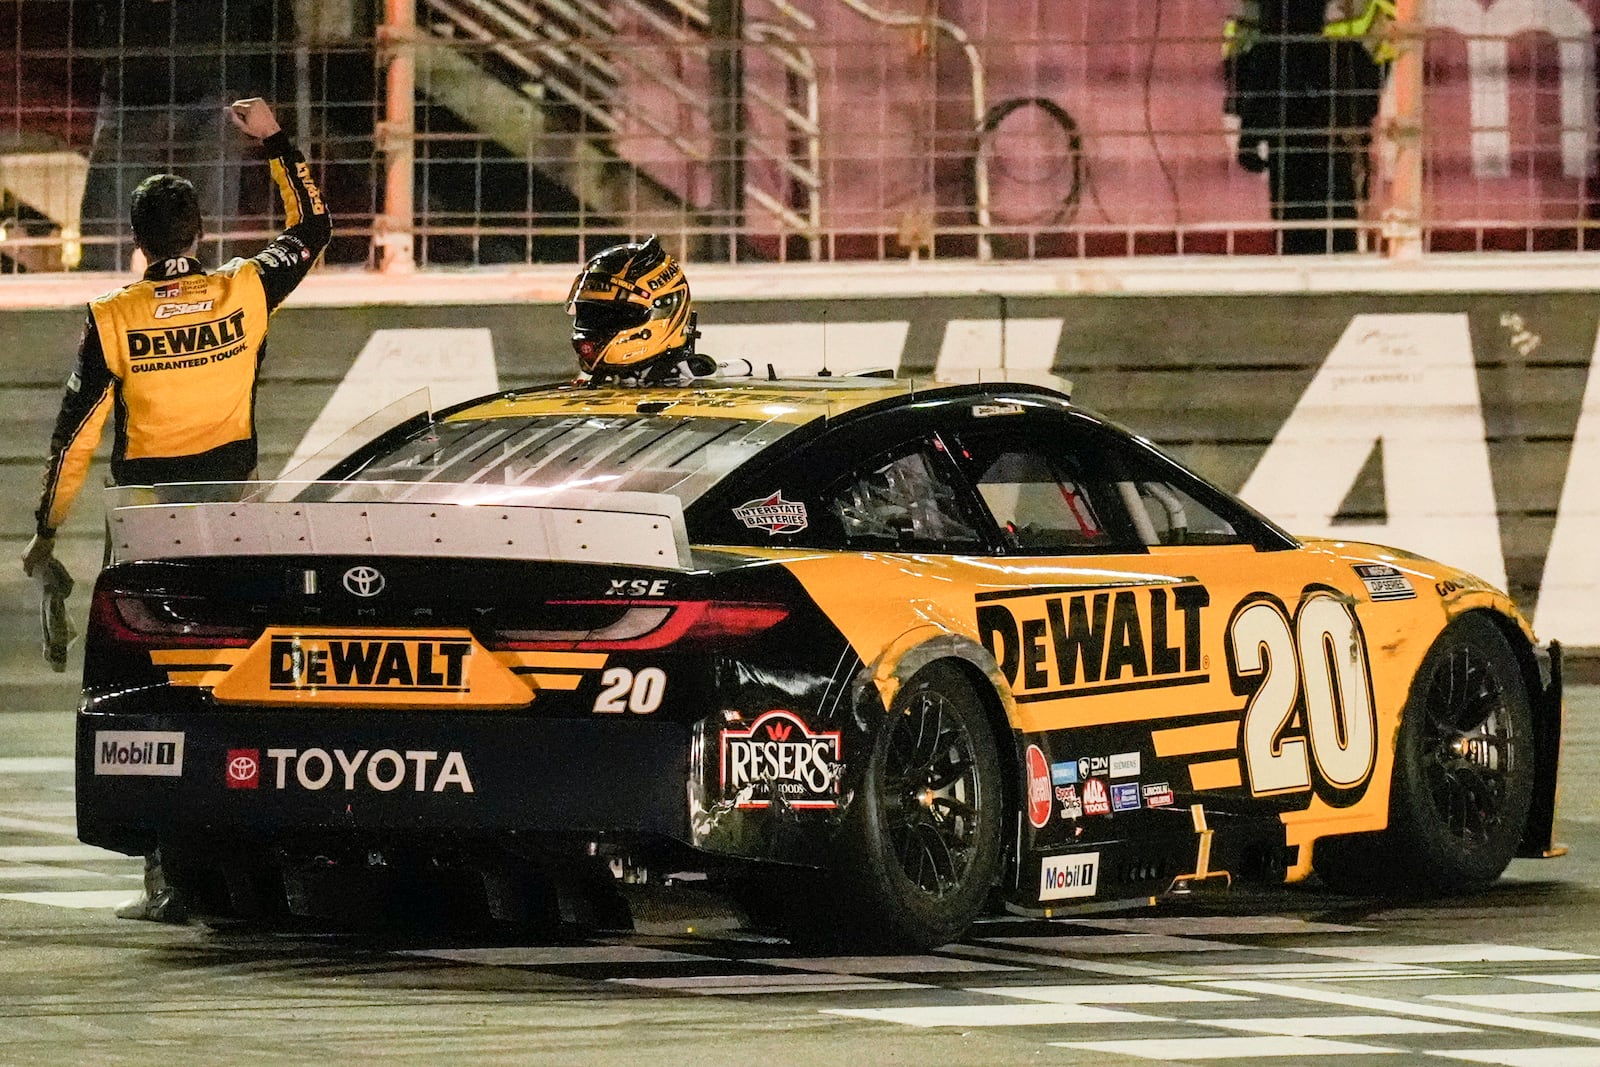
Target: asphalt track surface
column 1510, row 976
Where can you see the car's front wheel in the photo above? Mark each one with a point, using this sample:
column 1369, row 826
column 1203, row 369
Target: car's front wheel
column 1463, row 774
column 921, row 847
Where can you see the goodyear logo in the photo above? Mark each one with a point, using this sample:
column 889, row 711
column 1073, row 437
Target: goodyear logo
column 368, row 664
column 1056, row 645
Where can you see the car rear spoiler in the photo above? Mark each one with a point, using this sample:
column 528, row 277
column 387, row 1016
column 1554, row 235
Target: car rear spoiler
column 458, row 521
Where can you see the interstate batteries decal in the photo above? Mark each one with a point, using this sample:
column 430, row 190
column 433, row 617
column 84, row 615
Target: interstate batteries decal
column 373, row 668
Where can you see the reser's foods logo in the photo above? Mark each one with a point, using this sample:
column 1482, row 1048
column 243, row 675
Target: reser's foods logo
column 772, row 514
column 148, row 753
column 384, row 770
column 1069, row 876
column 778, row 759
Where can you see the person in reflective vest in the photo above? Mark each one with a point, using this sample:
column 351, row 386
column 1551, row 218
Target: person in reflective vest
column 1306, row 92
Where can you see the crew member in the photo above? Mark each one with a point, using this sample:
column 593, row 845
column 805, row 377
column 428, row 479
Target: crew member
column 177, row 355
column 1306, row 90
column 632, row 322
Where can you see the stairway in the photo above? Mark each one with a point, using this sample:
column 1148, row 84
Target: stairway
column 617, row 100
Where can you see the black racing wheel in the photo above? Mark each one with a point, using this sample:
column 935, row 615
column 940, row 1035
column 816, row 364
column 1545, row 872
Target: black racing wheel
column 921, row 847
column 1463, row 775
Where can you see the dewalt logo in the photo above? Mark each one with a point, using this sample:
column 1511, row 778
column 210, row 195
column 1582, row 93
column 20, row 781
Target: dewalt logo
column 195, row 345
column 378, row 667
column 302, row 170
column 354, row 664
column 1063, row 644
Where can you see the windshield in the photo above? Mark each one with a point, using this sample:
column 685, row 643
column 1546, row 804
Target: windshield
column 536, row 454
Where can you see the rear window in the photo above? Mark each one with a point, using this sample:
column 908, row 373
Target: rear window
column 597, row 453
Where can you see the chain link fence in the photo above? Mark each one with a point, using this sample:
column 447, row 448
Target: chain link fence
column 479, row 132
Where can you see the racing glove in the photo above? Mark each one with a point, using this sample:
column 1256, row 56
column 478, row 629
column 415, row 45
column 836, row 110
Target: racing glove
column 55, row 585
column 40, row 549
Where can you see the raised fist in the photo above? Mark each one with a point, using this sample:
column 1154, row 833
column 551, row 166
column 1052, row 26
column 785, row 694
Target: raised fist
column 254, row 116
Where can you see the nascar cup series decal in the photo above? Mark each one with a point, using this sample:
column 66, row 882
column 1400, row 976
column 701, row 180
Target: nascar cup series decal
column 772, row 514
column 1051, row 646
column 778, row 759
column 1384, row 582
column 378, row 668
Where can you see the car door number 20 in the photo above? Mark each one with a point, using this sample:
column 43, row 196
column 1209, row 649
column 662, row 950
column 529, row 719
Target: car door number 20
column 637, row 691
column 1322, row 654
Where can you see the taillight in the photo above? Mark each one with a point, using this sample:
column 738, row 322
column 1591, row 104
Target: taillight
column 652, row 625
column 163, row 621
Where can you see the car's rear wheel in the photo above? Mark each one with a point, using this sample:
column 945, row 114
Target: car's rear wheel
column 921, row 847
column 1463, row 775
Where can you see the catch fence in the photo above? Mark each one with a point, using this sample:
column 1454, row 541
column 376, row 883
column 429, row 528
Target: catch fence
column 479, row 132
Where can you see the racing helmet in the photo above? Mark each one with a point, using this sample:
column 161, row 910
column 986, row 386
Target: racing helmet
column 630, row 307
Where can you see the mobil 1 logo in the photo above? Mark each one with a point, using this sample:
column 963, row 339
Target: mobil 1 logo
column 148, row 753
column 1061, row 877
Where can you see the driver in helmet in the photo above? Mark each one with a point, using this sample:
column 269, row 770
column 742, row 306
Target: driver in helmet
column 632, row 322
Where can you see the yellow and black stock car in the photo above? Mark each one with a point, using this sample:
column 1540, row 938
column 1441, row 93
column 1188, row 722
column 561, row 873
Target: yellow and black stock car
column 870, row 656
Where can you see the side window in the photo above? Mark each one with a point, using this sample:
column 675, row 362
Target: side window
column 1044, row 498
column 1164, row 514
column 904, row 502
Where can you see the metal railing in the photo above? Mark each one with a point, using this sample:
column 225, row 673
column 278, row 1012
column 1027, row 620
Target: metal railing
column 478, row 132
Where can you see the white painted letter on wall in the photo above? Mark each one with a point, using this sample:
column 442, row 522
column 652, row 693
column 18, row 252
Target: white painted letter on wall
column 1410, row 382
column 1569, row 594
column 453, row 364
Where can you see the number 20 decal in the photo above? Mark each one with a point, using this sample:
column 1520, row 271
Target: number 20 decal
column 625, row 690
column 1310, row 720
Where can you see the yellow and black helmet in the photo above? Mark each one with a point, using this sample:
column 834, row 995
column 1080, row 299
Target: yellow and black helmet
column 630, row 309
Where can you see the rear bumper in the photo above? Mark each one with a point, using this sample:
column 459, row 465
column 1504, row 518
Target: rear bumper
column 146, row 775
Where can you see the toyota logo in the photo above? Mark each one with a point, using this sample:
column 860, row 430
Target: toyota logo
column 241, row 768
column 363, row 581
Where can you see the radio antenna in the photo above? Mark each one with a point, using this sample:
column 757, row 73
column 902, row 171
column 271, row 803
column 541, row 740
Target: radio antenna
column 824, row 372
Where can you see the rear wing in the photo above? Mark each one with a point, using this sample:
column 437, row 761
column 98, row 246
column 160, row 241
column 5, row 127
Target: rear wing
column 200, row 519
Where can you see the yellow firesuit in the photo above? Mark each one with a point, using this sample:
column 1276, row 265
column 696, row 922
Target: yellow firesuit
column 177, row 355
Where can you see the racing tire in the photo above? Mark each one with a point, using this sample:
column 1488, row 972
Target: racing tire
column 921, row 844
column 1463, row 776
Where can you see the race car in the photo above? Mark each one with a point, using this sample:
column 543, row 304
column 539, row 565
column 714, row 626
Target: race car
column 870, row 655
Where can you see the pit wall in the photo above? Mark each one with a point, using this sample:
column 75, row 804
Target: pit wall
column 1453, row 409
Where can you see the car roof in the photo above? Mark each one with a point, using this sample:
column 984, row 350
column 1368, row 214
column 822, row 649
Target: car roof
column 792, row 400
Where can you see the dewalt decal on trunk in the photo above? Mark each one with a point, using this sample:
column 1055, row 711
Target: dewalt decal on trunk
column 1060, row 644
column 384, row 668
